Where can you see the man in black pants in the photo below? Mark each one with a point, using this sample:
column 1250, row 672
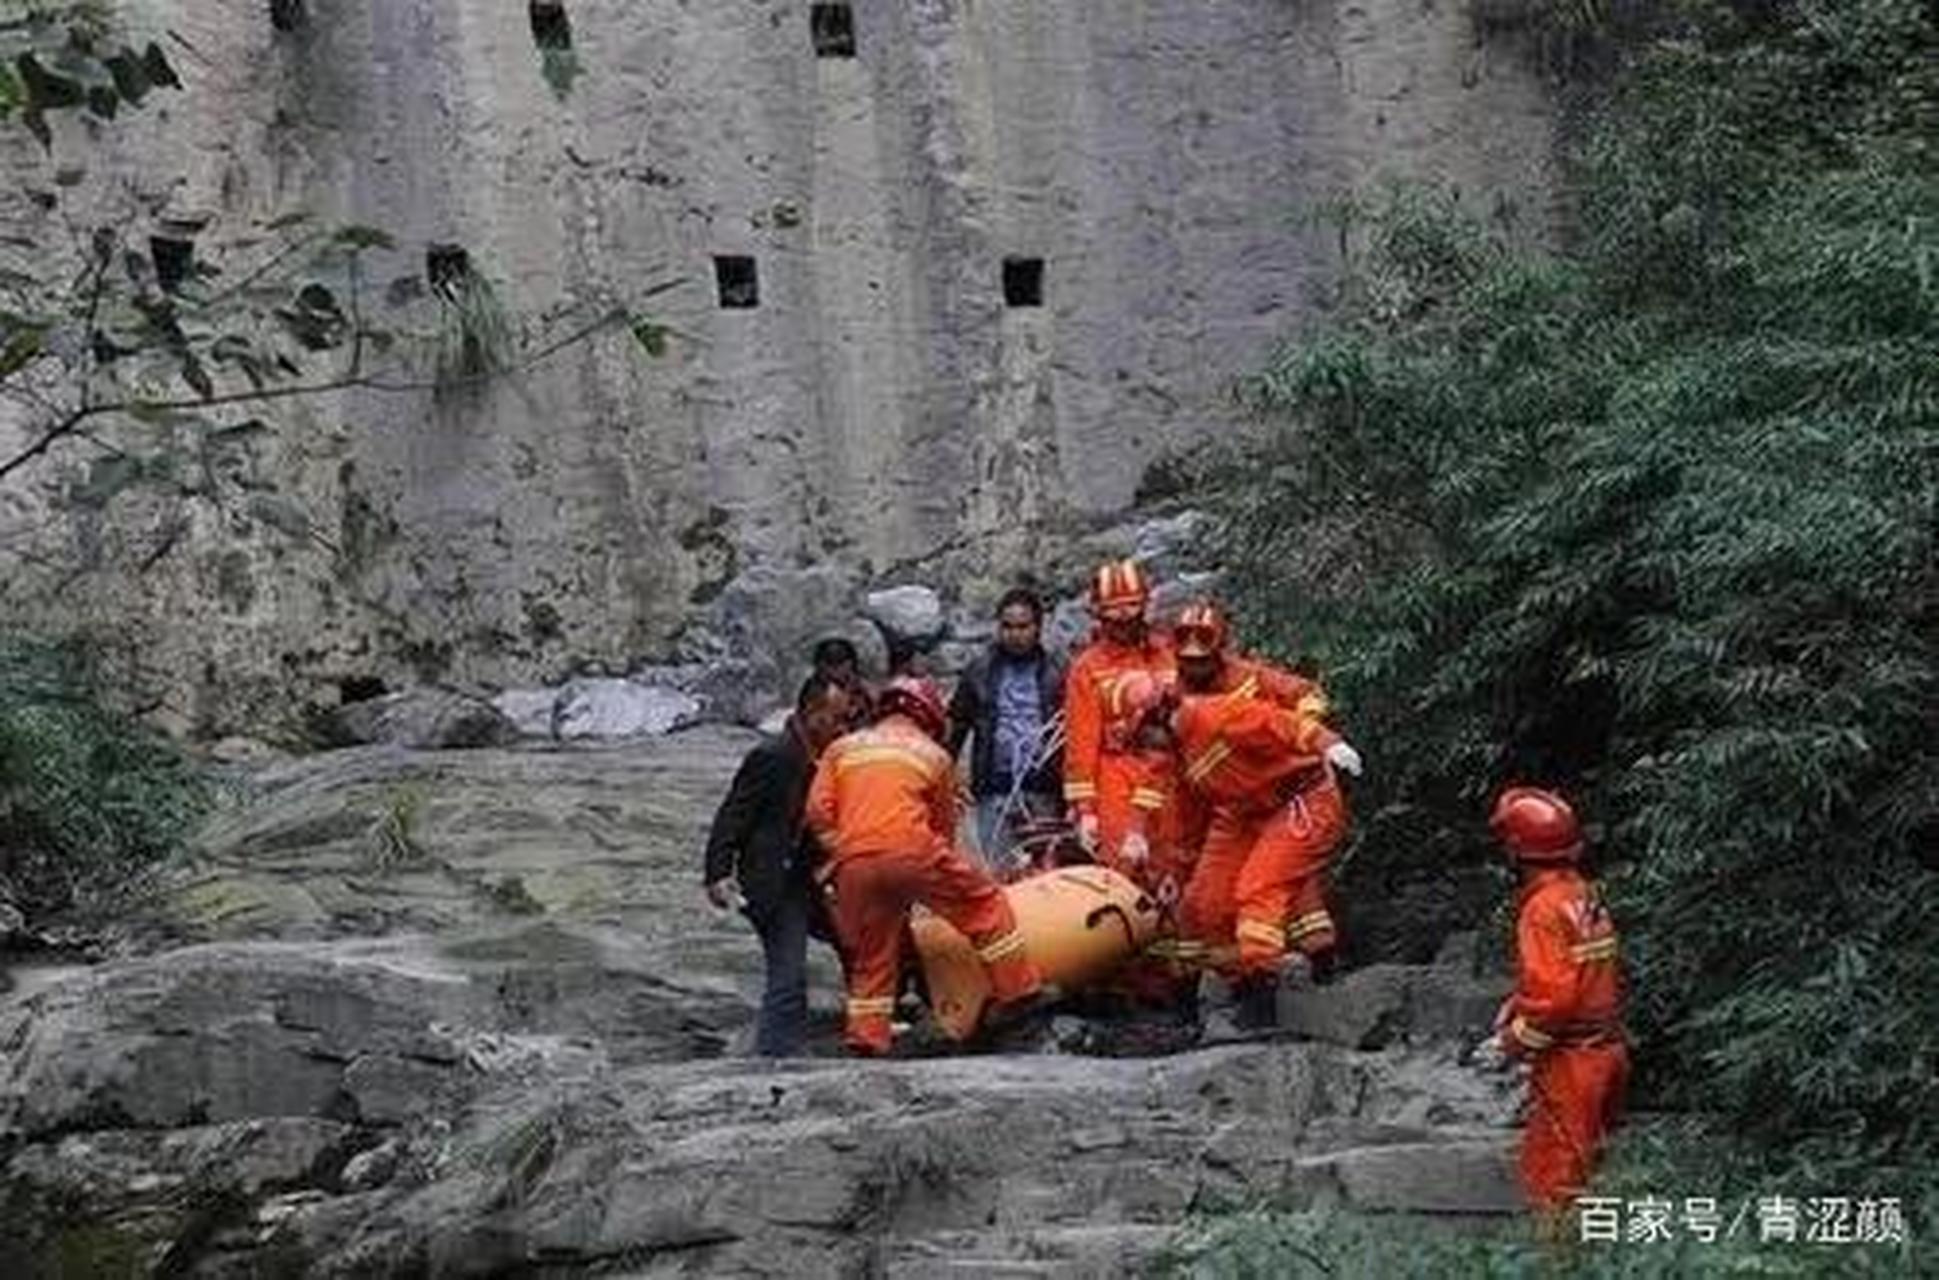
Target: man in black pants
column 759, row 858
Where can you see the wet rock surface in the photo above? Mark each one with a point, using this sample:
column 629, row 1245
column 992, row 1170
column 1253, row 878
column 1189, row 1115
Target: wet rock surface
column 461, row 1013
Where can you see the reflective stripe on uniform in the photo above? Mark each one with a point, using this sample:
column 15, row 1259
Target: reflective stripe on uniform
column 871, row 1006
column 1310, row 923
column 1147, row 798
column 856, row 757
column 1261, row 931
column 1594, row 950
column 1078, row 790
column 1528, row 1035
column 1209, row 759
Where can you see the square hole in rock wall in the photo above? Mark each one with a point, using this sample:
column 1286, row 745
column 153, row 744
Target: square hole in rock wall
column 1023, row 282
column 174, row 260
column 833, row 27
column 738, row 281
column 551, row 29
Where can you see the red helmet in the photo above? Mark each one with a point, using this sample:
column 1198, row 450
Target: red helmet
column 1120, row 589
column 918, row 698
column 1201, row 631
column 1536, row 825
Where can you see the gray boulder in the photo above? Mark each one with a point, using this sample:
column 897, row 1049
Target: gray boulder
column 763, row 625
column 424, row 719
column 604, row 707
column 911, row 614
column 529, row 710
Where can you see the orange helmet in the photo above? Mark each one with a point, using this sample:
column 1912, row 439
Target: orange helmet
column 1120, row 589
column 1536, row 825
column 1201, row 631
column 918, row 698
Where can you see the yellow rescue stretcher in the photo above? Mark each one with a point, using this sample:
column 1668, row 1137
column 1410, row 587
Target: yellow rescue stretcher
column 1079, row 924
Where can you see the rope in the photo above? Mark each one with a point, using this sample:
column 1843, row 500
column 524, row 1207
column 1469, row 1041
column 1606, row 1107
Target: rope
column 1050, row 740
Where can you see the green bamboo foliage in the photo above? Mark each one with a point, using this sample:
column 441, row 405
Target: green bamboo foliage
column 1654, row 519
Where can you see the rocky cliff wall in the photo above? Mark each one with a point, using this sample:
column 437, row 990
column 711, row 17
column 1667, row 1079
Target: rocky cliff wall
column 882, row 404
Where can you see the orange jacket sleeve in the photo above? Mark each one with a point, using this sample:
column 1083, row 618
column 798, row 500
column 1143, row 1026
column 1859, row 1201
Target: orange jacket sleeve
column 1294, row 692
column 1545, row 980
column 1084, row 735
column 1258, row 725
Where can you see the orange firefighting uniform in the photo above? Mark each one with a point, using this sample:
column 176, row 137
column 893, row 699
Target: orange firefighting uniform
column 1565, row 1013
column 883, row 804
column 1102, row 772
column 1252, row 752
column 1165, row 812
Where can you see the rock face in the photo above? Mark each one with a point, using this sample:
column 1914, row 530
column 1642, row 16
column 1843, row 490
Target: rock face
column 1006, row 255
column 459, row 1014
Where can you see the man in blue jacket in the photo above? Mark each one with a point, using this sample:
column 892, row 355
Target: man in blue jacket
column 760, row 860
column 1006, row 702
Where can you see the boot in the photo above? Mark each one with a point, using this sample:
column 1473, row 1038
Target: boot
column 1324, row 965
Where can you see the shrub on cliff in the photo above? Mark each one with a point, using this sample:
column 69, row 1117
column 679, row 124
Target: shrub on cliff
column 88, row 798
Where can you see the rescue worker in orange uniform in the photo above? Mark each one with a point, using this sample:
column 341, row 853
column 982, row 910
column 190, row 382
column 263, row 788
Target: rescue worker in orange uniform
column 1156, row 848
column 1159, row 840
column 1102, row 772
column 1565, row 1014
column 1253, row 744
column 883, row 805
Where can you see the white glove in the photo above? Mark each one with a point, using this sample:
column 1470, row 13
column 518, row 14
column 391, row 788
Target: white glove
column 1087, row 832
column 1341, row 755
column 1135, row 849
column 1489, row 1055
column 725, row 893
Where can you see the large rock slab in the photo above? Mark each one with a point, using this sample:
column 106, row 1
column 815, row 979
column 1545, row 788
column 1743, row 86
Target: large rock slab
column 460, row 1013
column 367, row 1032
column 829, row 1168
column 424, row 718
column 378, row 839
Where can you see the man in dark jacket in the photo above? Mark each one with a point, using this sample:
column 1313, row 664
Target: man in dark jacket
column 1006, row 701
column 759, row 859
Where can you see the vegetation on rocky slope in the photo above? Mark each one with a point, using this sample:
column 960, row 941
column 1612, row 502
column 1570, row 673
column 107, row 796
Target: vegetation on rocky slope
column 1653, row 519
column 88, row 799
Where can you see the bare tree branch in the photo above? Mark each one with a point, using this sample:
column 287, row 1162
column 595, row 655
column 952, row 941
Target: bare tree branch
column 71, row 421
